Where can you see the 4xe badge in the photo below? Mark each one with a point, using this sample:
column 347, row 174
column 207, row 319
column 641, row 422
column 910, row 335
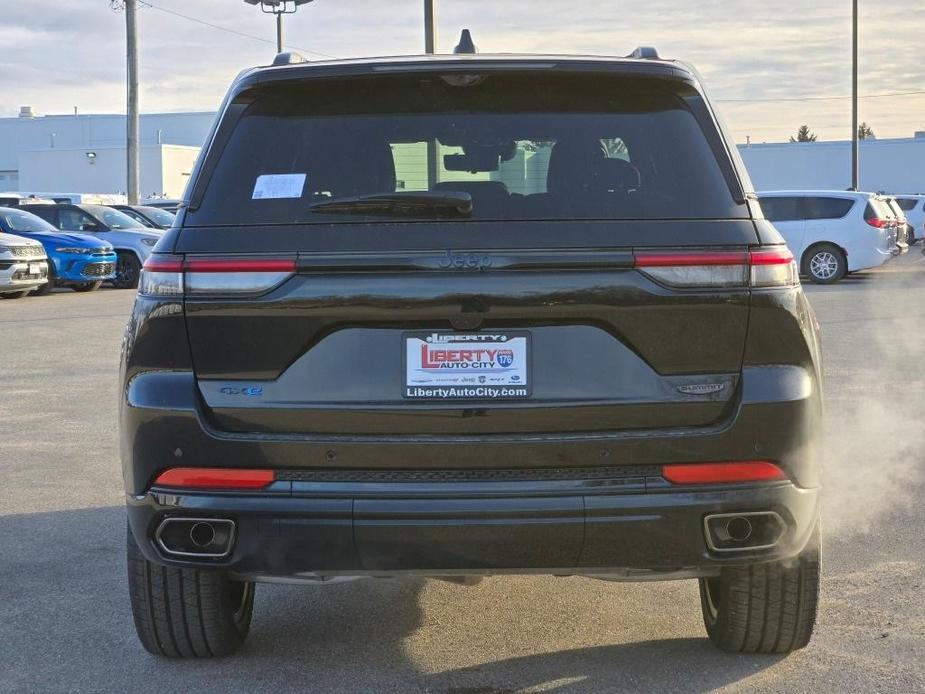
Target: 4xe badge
column 248, row 391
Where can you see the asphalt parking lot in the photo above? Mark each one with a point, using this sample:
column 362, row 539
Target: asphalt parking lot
column 65, row 623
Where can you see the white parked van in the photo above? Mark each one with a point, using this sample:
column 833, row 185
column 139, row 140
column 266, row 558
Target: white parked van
column 832, row 232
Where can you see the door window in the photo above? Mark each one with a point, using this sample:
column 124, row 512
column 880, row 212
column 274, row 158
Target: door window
column 74, row 220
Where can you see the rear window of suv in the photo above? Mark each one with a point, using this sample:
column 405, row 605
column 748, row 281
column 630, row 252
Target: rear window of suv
column 522, row 146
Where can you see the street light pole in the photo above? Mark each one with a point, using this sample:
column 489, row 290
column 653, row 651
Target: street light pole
column 430, row 28
column 430, row 47
column 855, row 159
column 279, row 8
column 279, row 32
column 131, row 124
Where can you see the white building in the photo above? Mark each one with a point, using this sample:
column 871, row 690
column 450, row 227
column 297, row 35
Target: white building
column 894, row 166
column 86, row 153
column 163, row 169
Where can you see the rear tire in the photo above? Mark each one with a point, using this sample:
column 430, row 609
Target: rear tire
column 187, row 613
column 87, row 286
column 825, row 264
column 128, row 270
column 13, row 295
column 763, row 608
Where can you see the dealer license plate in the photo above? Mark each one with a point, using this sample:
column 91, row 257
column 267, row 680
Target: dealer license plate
column 35, row 268
column 491, row 365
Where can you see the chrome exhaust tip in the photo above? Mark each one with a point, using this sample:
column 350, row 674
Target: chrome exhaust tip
column 740, row 532
column 204, row 538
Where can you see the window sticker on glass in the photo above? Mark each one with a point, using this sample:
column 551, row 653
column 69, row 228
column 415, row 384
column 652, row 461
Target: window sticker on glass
column 270, row 186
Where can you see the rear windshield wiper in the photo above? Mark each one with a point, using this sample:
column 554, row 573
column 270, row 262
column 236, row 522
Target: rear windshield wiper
column 411, row 202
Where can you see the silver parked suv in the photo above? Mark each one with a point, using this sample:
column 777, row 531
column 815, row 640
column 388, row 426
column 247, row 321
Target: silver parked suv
column 23, row 266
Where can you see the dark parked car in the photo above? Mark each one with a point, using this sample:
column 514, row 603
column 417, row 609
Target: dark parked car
column 468, row 315
column 132, row 242
column 168, row 204
column 154, row 217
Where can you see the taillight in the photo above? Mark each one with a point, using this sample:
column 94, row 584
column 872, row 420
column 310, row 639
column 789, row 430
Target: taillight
column 773, row 267
column 236, row 275
column 215, row 478
column 877, row 222
column 723, row 473
column 765, row 267
column 695, row 268
column 161, row 275
column 166, row 275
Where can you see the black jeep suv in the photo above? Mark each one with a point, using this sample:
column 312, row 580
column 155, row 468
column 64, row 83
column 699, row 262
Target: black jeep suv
column 468, row 315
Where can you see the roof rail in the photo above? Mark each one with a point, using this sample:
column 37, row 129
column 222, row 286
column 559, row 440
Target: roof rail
column 291, row 58
column 645, row 53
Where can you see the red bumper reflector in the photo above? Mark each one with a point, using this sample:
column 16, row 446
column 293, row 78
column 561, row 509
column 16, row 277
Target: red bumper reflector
column 718, row 473
column 214, row 478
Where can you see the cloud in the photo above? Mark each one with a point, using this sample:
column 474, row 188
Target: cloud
column 745, row 50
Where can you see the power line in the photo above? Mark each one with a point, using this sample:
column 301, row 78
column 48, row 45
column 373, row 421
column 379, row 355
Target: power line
column 226, row 29
column 817, row 98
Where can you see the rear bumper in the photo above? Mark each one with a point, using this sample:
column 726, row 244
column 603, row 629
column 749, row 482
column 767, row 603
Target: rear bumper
column 776, row 418
column 875, row 257
column 316, row 529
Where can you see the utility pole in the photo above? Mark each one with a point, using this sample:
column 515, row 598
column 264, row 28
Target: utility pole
column 279, row 32
column 430, row 27
column 430, row 47
column 855, row 159
column 131, row 123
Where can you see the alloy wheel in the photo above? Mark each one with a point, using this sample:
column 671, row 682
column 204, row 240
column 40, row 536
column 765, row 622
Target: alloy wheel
column 823, row 265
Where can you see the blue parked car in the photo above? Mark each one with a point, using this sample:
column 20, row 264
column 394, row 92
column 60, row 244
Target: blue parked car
column 79, row 261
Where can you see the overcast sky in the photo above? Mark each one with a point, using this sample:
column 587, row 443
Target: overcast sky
column 58, row 55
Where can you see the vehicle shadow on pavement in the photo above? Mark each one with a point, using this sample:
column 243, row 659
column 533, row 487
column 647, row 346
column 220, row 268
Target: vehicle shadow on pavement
column 65, row 625
column 648, row 666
